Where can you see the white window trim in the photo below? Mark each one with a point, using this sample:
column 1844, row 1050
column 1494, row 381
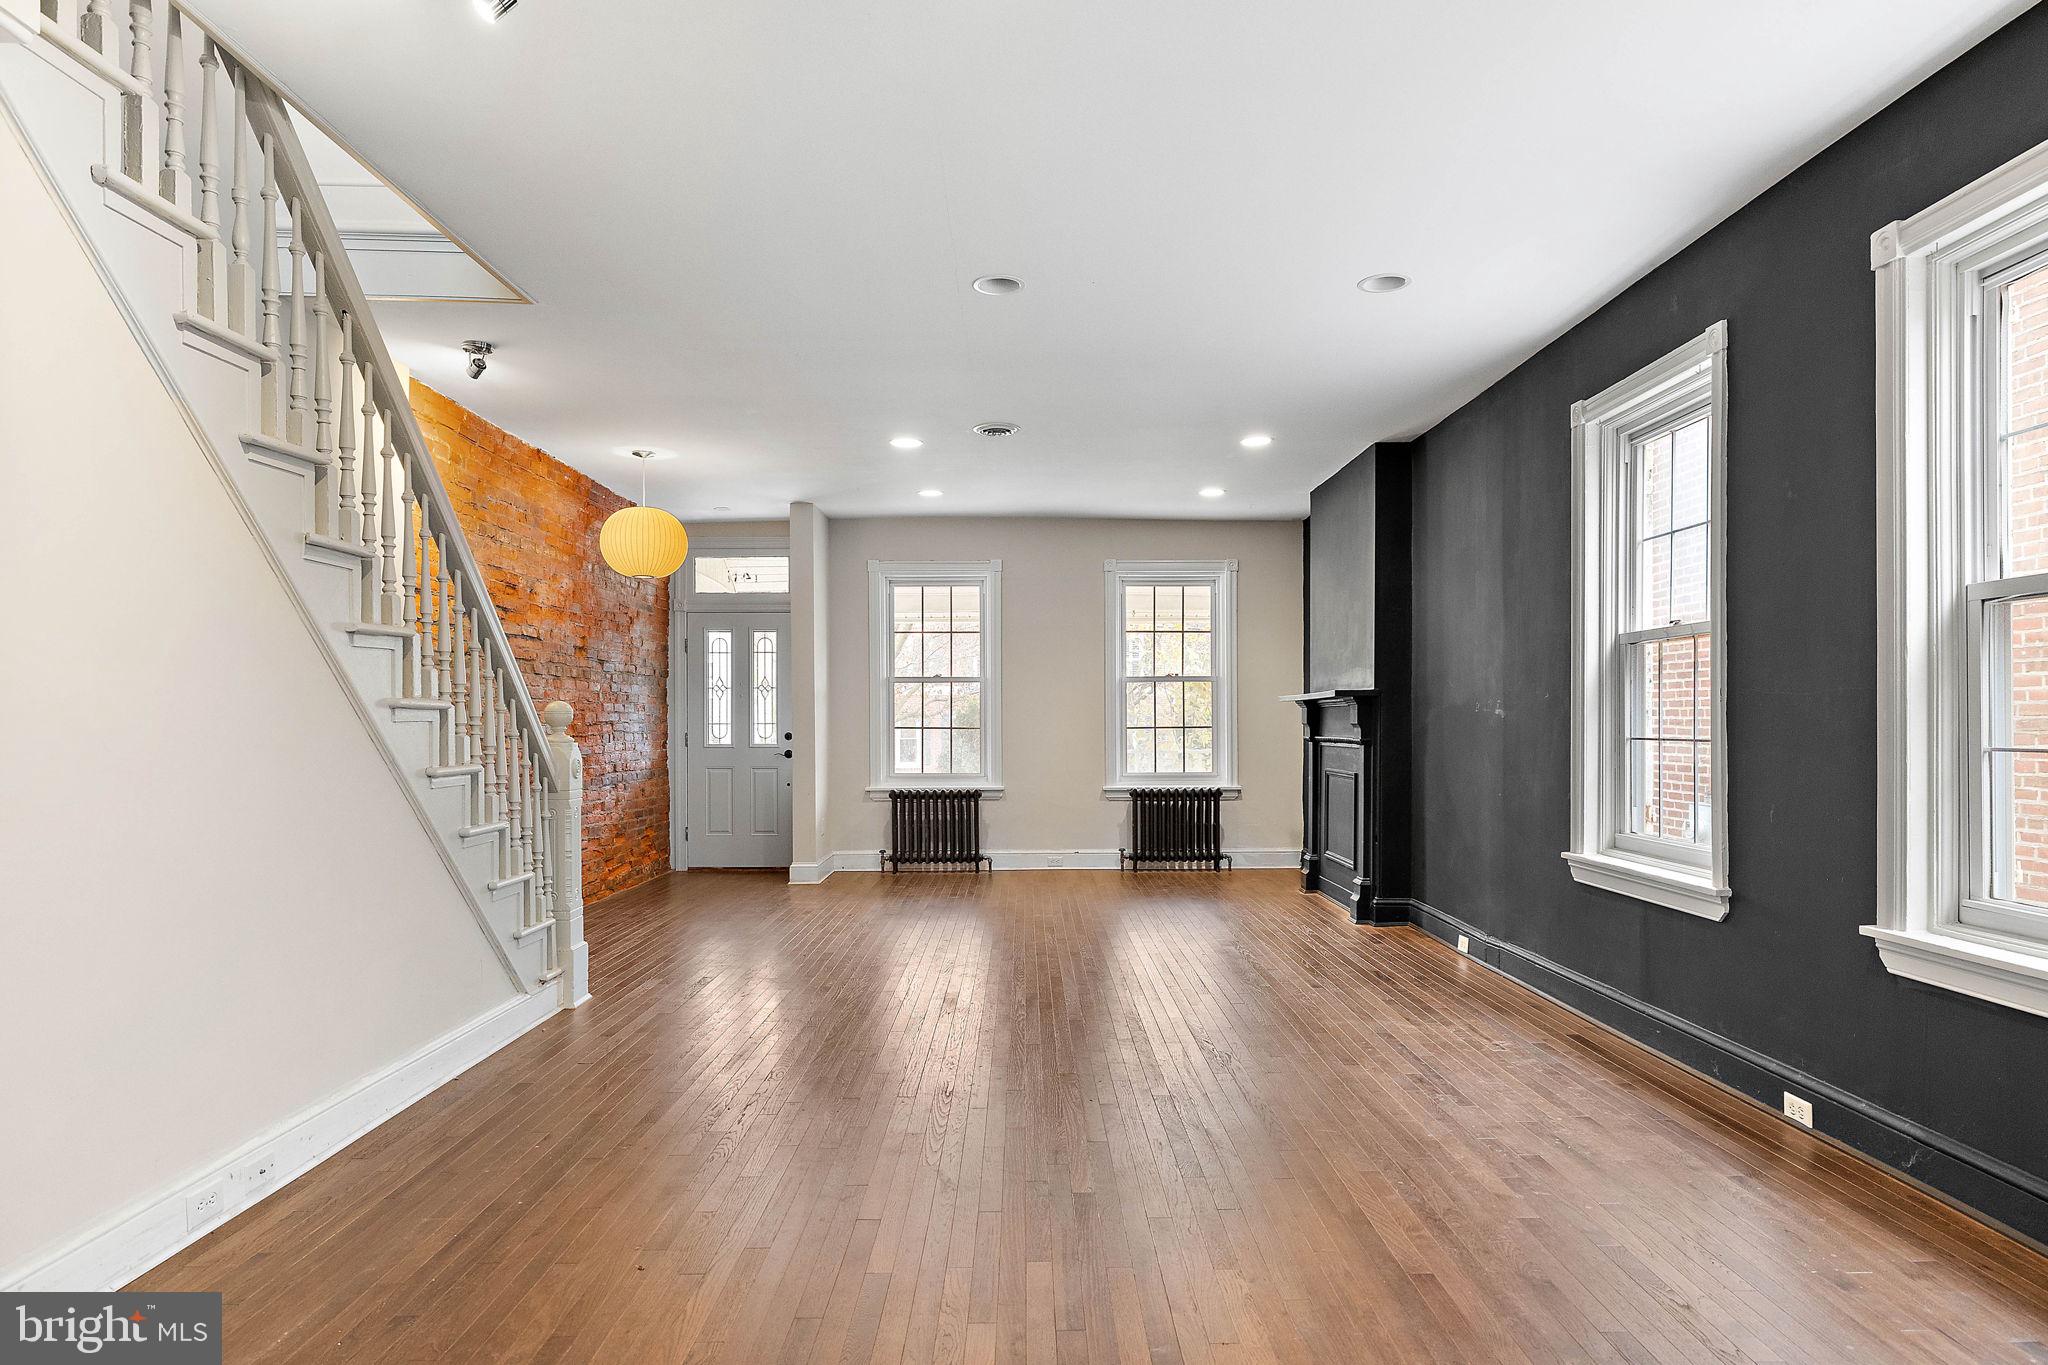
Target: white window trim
column 1601, row 854
column 1220, row 576
column 1929, row 271
column 711, row 545
column 884, row 575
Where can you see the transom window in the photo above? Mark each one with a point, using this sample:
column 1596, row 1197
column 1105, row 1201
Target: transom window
column 1170, row 630
column 1648, row 761
column 935, row 651
column 725, row 575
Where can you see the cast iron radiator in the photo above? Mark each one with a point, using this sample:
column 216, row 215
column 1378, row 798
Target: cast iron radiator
column 935, row 825
column 1176, row 825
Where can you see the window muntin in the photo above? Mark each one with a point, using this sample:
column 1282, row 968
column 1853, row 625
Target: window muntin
column 717, row 575
column 2007, row 607
column 935, row 678
column 718, row 685
column 1169, row 679
column 765, row 688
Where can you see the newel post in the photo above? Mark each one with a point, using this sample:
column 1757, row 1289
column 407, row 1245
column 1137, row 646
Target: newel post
column 566, row 803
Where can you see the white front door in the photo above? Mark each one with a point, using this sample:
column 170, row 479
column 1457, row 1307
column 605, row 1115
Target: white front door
column 739, row 740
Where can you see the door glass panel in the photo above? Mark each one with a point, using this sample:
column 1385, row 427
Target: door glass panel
column 764, row 687
column 718, row 687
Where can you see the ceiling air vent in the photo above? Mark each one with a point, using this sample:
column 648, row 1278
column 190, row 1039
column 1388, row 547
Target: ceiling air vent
column 995, row 429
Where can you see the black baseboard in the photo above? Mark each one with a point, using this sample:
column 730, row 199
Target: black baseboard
column 1983, row 1186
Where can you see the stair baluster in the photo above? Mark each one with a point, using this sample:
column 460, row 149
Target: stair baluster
column 459, row 729
column 391, row 605
column 96, row 29
column 209, row 178
column 266, row 250
column 241, row 288
column 444, row 657
column 296, row 402
column 136, row 109
column 326, row 494
column 172, row 181
column 348, row 504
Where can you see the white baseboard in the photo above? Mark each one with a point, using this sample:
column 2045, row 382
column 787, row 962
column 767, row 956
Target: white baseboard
column 155, row 1228
column 1029, row 859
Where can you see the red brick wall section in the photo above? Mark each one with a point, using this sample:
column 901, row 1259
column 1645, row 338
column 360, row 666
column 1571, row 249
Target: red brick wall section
column 582, row 633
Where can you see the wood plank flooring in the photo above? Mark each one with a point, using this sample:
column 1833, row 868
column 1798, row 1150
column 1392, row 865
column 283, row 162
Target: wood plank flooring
column 1075, row 1116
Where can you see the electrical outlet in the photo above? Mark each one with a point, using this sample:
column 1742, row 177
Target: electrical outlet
column 1464, row 943
column 204, row 1205
column 1798, row 1110
column 1055, row 860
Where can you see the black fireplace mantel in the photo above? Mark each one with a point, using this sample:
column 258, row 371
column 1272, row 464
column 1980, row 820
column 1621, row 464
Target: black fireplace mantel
column 1340, row 800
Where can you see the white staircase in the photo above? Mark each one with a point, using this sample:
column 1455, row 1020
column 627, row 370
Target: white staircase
column 181, row 171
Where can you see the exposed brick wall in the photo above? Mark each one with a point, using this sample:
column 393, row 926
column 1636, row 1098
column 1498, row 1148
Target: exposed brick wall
column 582, row 633
column 2027, row 552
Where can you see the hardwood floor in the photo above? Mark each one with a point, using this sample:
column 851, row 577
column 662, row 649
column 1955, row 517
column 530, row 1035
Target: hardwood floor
column 1076, row 1116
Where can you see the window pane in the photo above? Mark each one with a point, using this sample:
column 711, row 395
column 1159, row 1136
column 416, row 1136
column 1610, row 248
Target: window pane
column 906, row 751
column 1195, row 702
column 1166, row 653
column 1653, row 461
column 718, row 687
column 1197, row 609
column 1195, row 657
column 938, row 655
column 1138, row 751
column 1689, row 575
column 2024, row 426
column 1199, row 755
column 909, row 661
column 1167, row 614
column 764, row 687
column 967, row 607
column 1653, row 583
column 938, row 705
column 1167, row 703
column 938, row 608
column 938, row 751
column 742, row 573
column 1137, row 608
column 909, row 609
column 1138, row 653
column 967, row 705
column 1138, row 703
column 1689, row 474
column 966, row 656
column 1166, row 751
column 967, row 751
column 909, row 703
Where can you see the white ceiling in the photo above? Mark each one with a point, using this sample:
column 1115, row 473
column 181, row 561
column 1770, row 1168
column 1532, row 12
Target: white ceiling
column 750, row 225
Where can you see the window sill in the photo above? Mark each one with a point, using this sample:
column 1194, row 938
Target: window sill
column 989, row 791
column 1658, row 883
column 2016, row 977
column 1121, row 791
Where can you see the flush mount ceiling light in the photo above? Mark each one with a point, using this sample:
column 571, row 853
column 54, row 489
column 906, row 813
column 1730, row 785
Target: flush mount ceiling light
column 930, row 493
column 997, row 284
column 1383, row 284
column 1256, row 441
column 996, row 429
column 643, row 541
column 1212, row 491
column 905, row 442
column 491, row 11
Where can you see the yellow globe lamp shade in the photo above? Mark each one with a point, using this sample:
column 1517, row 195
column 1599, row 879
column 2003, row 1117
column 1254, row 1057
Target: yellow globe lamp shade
column 643, row 542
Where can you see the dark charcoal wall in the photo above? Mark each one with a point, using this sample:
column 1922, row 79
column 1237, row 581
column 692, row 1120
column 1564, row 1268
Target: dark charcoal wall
column 1340, row 598
column 1787, row 975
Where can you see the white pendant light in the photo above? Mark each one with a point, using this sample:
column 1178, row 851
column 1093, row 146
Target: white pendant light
column 643, row 541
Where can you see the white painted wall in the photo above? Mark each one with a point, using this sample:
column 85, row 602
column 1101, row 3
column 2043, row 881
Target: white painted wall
column 810, row 628
column 1053, row 760
column 220, row 909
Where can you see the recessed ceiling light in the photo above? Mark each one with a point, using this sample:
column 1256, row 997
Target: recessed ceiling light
column 721, row 508
column 1256, row 441
column 905, row 442
column 996, row 429
column 997, row 284
column 930, row 493
column 1212, row 492
column 493, row 10
column 1383, row 284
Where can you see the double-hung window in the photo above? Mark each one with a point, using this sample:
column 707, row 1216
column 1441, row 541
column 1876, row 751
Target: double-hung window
column 1963, row 589
column 935, row 654
column 1649, row 761
column 1170, row 636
